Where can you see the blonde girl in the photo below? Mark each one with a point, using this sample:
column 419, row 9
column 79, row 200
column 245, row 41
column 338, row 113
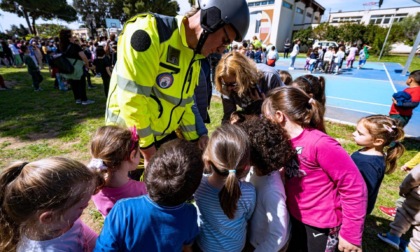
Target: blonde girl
column 326, row 194
column 225, row 202
column 115, row 152
column 380, row 137
column 41, row 203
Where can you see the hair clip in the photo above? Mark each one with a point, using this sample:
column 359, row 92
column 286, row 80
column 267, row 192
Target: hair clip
column 393, row 126
column 389, row 129
column 97, row 163
column 310, row 100
column 232, row 171
column 134, row 137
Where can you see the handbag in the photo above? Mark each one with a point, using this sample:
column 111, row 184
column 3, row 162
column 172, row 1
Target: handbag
column 62, row 63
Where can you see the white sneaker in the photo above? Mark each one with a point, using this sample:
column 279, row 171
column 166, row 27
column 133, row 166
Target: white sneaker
column 78, row 101
column 87, row 102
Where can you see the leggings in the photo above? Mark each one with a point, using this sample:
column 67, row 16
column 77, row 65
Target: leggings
column 306, row 238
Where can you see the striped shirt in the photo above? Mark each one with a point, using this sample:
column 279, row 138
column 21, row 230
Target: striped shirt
column 217, row 231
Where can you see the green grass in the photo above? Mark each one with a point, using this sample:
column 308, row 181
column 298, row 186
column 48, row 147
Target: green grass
column 35, row 125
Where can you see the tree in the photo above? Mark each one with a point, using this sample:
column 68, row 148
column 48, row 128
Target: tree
column 20, row 31
column 133, row 7
column 351, row 32
column 407, row 29
column 49, row 30
column 45, row 9
column 305, row 36
column 325, row 31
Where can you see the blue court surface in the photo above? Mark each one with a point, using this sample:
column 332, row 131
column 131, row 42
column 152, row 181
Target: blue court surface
column 356, row 93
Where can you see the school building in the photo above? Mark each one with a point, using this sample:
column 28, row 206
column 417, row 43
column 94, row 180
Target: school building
column 381, row 17
column 274, row 21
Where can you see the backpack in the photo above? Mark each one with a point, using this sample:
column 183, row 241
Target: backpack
column 63, row 65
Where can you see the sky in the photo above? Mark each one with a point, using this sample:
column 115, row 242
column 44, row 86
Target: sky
column 7, row 19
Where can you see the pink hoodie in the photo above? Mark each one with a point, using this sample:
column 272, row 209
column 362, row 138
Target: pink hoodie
column 328, row 191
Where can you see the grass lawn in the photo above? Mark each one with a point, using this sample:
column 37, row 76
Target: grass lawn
column 35, row 125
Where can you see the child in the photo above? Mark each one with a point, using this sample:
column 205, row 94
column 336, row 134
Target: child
column 313, row 86
column 328, row 56
column 161, row 220
column 286, row 77
column 407, row 167
column 270, row 150
column 33, row 68
column 326, row 194
column 379, row 136
column 407, row 215
column 363, row 55
column 313, row 57
column 41, row 203
column 115, row 152
column 308, row 58
column 102, row 65
column 338, row 60
column 225, row 202
column 402, row 111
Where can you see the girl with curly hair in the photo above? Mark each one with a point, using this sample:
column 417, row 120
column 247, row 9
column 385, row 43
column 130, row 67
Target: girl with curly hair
column 270, row 150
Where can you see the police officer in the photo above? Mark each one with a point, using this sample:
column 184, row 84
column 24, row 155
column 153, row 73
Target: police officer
column 158, row 67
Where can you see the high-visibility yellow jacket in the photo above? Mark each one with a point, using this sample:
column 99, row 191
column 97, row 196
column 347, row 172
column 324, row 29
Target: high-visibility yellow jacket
column 153, row 82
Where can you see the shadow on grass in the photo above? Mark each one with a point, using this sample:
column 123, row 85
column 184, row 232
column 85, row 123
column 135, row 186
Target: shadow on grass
column 29, row 115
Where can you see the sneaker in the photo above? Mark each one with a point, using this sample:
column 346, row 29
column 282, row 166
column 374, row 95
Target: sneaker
column 91, row 87
column 390, row 211
column 87, row 102
column 78, row 101
column 39, row 89
column 404, row 246
column 392, row 240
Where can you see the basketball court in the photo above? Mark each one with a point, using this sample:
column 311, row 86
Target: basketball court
column 356, row 93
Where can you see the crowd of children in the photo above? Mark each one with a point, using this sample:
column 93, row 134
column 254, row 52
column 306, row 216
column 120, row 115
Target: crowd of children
column 277, row 182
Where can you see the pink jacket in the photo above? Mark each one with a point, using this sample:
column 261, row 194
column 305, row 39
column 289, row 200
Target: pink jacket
column 328, row 191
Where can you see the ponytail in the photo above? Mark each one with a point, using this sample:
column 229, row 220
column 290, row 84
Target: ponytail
column 395, row 151
column 10, row 231
column 228, row 155
column 229, row 195
column 316, row 115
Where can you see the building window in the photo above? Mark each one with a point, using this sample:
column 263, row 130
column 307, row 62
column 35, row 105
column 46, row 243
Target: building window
column 309, row 15
column 316, row 18
column 251, row 4
column 271, row 2
column 299, row 10
column 257, row 26
column 287, row 5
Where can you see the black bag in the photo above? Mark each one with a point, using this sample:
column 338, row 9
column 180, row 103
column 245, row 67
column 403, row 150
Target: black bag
column 60, row 61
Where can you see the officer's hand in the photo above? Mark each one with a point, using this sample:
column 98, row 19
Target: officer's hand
column 202, row 142
column 148, row 154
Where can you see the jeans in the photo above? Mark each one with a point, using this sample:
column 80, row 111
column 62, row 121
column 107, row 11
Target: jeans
column 292, row 62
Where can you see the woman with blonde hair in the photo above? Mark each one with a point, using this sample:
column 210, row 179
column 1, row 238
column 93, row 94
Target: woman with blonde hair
column 244, row 83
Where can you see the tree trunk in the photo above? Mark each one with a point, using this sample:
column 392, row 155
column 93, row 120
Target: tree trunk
column 35, row 32
column 27, row 21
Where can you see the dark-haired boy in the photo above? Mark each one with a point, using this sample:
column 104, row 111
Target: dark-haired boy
column 404, row 102
column 161, row 220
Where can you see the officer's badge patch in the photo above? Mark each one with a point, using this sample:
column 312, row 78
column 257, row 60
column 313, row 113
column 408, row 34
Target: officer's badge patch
column 173, row 56
column 165, row 80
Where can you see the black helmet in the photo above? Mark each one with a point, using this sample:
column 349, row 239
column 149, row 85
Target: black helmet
column 217, row 13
